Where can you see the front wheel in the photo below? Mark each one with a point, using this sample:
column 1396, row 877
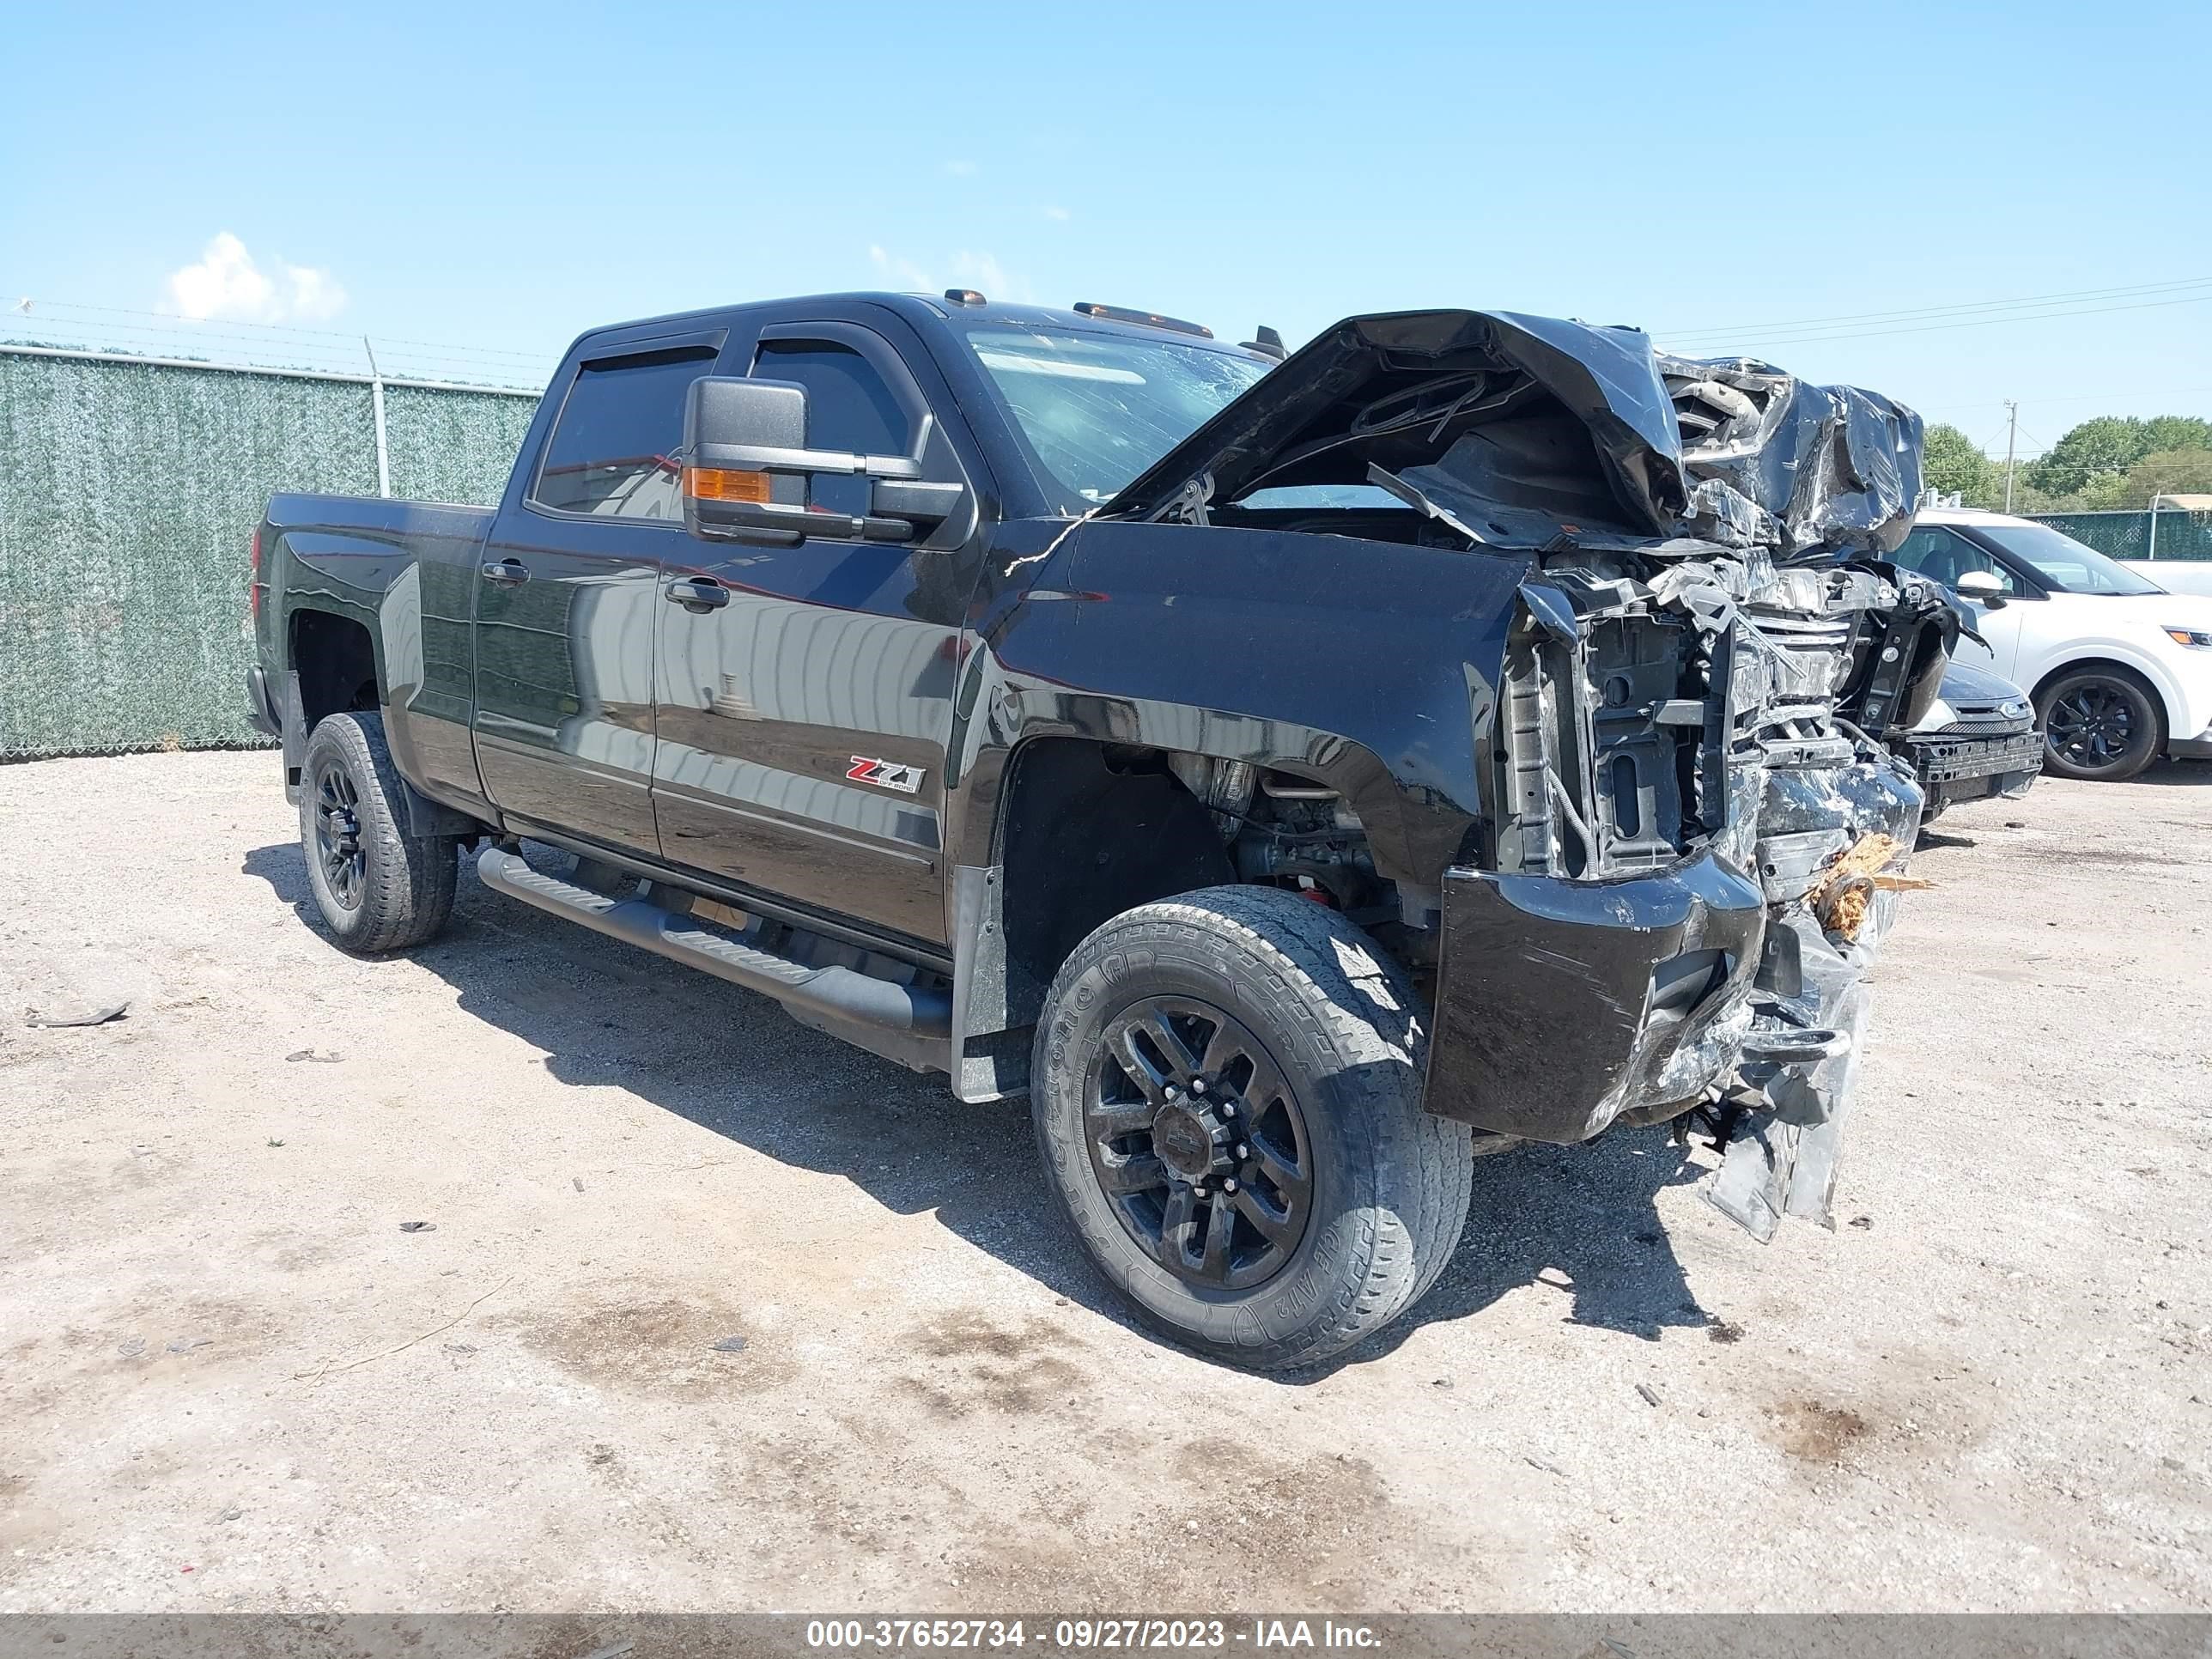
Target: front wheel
column 2103, row 724
column 1226, row 1090
column 378, row 887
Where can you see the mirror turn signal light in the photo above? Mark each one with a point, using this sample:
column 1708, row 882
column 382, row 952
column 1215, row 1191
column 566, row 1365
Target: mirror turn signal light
column 717, row 483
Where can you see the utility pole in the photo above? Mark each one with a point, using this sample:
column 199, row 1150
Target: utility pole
column 2012, row 435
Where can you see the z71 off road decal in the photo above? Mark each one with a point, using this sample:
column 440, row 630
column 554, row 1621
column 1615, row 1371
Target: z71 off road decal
column 907, row 779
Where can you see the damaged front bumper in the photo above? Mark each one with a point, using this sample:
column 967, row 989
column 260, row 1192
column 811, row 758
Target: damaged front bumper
column 1562, row 1004
column 1736, row 986
column 1575, row 991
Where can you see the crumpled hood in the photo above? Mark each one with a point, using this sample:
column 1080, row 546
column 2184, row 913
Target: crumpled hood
column 1523, row 430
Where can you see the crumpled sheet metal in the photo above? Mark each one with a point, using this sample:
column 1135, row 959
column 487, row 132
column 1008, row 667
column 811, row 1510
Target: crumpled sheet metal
column 1836, row 467
column 1602, row 461
column 1803, row 470
column 1813, row 791
column 1782, row 1158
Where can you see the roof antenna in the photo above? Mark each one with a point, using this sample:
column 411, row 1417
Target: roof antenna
column 1267, row 342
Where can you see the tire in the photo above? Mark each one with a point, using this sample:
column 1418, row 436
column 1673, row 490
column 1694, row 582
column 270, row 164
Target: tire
column 1250, row 979
column 379, row 888
column 2102, row 724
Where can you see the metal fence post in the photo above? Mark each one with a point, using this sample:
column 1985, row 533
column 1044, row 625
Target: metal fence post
column 376, row 405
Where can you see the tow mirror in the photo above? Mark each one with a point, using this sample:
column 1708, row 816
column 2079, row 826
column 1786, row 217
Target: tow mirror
column 748, row 472
column 1982, row 586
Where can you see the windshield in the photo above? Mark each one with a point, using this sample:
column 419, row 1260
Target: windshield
column 2063, row 562
column 1099, row 409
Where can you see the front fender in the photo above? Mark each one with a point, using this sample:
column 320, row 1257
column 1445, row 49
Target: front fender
column 1368, row 666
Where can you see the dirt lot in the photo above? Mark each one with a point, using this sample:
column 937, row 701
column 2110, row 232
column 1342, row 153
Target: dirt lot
column 231, row 1381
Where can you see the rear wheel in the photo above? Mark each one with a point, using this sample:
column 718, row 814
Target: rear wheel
column 1226, row 1090
column 379, row 889
column 2101, row 724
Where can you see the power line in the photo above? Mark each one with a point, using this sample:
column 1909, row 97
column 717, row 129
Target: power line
column 1985, row 322
column 1918, row 312
column 2072, row 398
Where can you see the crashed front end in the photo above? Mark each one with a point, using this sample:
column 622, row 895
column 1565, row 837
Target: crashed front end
column 1689, row 841
column 1698, row 842
column 1698, row 854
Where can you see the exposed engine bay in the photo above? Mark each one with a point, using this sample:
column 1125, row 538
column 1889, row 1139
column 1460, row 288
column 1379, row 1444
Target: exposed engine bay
column 1691, row 821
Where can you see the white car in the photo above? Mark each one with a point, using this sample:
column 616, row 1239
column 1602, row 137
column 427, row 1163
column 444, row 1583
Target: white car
column 2120, row 669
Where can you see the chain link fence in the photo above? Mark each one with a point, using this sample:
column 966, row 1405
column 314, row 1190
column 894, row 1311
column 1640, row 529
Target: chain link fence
column 129, row 489
column 2181, row 535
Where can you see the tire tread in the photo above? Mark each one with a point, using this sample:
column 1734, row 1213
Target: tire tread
column 1422, row 1166
column 409, row 879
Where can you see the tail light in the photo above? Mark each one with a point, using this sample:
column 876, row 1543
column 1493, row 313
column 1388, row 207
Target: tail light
column 253, row 576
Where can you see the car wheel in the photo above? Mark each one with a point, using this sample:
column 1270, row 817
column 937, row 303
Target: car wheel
column 1226, row 1089
column 2099, row 724
column 379, row 889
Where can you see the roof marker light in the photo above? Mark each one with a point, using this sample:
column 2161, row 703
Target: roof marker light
column 1142, row 318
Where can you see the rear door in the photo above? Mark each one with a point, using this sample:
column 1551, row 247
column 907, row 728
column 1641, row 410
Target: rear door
column 803, row 718
column 568, row 597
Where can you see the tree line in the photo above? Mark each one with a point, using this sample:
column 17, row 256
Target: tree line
column 2115, row 462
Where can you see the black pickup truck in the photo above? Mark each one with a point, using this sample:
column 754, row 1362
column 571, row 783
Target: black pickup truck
column 1298, row 777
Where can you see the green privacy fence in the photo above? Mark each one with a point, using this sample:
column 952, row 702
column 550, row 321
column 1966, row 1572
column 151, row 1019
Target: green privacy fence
column 129, row 488
column 2127, row 535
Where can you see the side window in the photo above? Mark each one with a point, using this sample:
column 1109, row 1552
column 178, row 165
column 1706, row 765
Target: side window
column 849, row 405
column 612, row 452
column 1940, row 556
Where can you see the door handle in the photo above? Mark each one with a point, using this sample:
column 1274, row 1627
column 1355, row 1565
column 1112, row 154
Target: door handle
column 508, row 571
column 699, row 593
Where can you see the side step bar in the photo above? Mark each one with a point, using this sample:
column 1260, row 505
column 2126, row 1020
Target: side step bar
column 836, row 992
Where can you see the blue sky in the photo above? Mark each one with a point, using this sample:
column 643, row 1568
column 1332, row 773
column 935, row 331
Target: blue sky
column 497, row 179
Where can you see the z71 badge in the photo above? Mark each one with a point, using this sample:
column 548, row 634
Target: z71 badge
column 907, row 779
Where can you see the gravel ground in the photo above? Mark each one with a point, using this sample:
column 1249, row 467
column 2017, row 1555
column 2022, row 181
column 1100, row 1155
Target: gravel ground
column 232, row 1380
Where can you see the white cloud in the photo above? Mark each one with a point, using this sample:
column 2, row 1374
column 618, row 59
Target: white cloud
column 1058, row 215
column 316, row 294
column 228, row 284
column 962, row 269
column 903, row 272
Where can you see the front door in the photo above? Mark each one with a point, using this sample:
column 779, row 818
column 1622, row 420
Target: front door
column 803, row 715
column 1942, row 555
column 568, row 597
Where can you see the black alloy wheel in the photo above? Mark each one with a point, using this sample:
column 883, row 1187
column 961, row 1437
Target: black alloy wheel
column 1226, row 1090
column 2092, row 725
column 338, row 833
column 2101, row 724
column 1198, row 1143
column 377, row 885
